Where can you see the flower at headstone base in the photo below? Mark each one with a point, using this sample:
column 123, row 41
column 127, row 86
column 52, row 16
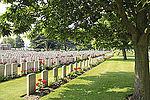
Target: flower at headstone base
column 1, row 62
column 37, row 84
column 15, row 61
column 67, row 61
column 23, row 71
column 78, row 68
column 32, row 69
column 47, row 58
column 40, row 79
column 5, row 63
column 41, row 83
column 75, row 68
column 40, row 61
column 22, row 56
column 43, row 63
column 25, row 60
column 54, row 61
column 59, row 60
column 52, row 58
column 44, row 81
column 57, row 57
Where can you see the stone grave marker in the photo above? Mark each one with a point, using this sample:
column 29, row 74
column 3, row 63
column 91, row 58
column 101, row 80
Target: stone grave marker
column 89, row 60
column 83, row 64
column 76, row 64
column 55, row 73
column 63, row 71
column 7, row 70
column 31, row 83
column 14, row 69
column 80, row 64
column 70, row 68
column 87, row 63
column 36, row 65
column 23, row 66
column 2, row 68
column 44, row 76
column 29, row 66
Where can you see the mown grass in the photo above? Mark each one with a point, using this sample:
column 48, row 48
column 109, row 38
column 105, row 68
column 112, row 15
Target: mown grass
column 111, row 80
column 13, row 89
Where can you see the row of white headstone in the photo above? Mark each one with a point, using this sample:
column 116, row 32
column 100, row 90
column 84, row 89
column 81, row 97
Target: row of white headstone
column 11, row 69
column 10, row 56
column 31, row 78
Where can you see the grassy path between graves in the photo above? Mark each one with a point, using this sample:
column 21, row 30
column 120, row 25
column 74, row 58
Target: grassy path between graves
column 111, row 80
column 13, row 89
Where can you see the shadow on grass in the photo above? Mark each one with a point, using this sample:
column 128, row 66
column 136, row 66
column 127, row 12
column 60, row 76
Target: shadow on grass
column 109, row 86
column 118, row 59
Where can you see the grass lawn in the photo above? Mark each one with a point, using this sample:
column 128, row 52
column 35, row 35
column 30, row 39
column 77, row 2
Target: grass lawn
column 13, row 89
column 111, row 80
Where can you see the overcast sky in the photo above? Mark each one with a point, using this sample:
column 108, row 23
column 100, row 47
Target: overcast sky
column 2, row 10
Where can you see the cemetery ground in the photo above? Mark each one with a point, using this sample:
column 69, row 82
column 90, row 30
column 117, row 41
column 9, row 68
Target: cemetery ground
column 111, row 80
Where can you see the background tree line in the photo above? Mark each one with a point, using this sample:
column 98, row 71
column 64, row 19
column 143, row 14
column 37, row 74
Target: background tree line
column 15, row 42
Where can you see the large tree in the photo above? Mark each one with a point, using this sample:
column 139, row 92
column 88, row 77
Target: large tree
column 51, row 14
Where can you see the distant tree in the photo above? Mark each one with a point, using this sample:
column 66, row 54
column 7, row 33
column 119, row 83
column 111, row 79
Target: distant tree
column 9, row 40
column 40, row 41
column 109, row 33
column 19, row 43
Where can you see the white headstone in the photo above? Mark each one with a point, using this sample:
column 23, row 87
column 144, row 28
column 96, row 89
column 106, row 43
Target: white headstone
column 31, row 83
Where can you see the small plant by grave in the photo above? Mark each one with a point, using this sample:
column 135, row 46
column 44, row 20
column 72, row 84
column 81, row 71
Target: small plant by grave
column 23, row 72
column 75, row 73
column 41, row 84
column 93, row 65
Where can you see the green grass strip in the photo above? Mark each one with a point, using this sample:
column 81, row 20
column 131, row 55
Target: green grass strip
column 111, row 80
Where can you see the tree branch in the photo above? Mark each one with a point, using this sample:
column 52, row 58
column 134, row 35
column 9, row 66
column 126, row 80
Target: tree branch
column 130, row 27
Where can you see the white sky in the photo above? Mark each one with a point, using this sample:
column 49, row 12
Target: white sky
column 2, row 10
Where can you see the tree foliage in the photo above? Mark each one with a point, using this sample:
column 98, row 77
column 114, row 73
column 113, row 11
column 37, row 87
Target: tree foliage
column 55, row 16
column 9, row 40
column 19, row 43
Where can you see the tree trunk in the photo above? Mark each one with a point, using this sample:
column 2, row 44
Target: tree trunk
column 65, row 47
column 124, row 54
column 141, row 83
